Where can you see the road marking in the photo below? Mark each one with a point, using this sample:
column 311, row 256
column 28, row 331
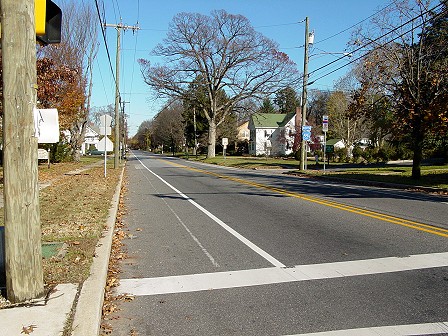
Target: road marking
column 274, row 275
column 364, row 212
column 398, row 330
column 243, row 239
column 195, row 239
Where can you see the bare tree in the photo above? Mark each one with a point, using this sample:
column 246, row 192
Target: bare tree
column 77, row 51
column 226, row 53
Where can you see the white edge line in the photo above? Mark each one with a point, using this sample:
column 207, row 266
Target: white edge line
column 398, row 330
column 244, row 240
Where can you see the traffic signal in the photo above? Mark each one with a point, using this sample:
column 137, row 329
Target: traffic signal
column 48, row 18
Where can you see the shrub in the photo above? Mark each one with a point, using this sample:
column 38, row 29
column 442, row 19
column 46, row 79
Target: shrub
column 59, row 152
column 357, row 153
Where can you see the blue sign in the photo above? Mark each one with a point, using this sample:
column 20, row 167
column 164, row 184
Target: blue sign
column 306, row 133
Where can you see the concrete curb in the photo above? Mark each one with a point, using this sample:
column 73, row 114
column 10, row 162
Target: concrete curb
column 88, row 311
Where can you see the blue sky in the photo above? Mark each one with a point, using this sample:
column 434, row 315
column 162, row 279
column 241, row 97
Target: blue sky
column 280, row 20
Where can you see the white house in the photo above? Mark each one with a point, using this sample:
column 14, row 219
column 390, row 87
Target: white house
column 92, row 137
column 271, row 134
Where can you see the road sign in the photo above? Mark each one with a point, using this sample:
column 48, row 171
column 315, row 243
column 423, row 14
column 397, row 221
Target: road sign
column 325, row 123
column 225, row 142
column 105, row 120
column 306, row 133
column 105, row 130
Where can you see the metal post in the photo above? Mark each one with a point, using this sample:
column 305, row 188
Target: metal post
column 105, row 147
column 325, row 147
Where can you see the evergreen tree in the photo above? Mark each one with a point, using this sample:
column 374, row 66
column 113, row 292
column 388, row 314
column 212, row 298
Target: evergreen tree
column 266, row 106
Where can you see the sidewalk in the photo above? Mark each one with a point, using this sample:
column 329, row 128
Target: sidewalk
column 48, row 317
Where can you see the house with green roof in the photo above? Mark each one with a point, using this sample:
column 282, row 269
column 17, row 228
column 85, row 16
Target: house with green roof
column 271, row 133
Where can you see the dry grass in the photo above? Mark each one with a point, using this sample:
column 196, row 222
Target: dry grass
column 74, row 210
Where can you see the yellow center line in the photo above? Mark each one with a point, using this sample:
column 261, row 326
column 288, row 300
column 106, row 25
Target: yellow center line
column 363, row 212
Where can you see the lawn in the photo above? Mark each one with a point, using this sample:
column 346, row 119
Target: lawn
column 432, row 176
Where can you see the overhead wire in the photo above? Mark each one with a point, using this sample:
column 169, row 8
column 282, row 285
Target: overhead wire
column 102, row 80
column 103, row 31
column 336, row 34
column 135, row 50
column 356, row 24
column 371, row 42
column 118, row 10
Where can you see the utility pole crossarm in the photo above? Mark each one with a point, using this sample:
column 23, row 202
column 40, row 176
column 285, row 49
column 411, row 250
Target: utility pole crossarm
column 121, row 26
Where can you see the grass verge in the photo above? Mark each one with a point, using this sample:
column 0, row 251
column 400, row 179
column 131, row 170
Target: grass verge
column 74, row 210
column 432, row 176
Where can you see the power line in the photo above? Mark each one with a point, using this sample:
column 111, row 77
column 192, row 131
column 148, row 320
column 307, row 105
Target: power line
column 278, row 25
column 135, row 50
column 103, row 31
column 102, row 80
column 373, row 41
column 118, row 10
column 356, row 24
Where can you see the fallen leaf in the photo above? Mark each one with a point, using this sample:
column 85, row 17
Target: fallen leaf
column 28, row 330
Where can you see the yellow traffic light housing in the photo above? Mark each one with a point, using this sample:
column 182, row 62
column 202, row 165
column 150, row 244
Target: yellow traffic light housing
column 40, row 8
column 48, row 19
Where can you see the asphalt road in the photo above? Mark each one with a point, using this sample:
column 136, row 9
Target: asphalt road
column 219, row 251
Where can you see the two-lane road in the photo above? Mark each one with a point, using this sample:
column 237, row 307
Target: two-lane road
column 218, row 251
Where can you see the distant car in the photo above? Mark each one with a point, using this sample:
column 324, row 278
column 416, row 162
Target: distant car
column 95, row 152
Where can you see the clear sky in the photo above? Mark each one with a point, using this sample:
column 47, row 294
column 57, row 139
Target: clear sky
column 280, row 20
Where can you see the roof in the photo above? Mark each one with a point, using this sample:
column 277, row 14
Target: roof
column 271, row 120
column 94, row 128
column 332, row 142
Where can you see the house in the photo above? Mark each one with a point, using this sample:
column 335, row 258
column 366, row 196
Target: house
column 91, row 138
column 243, row 131
column 242, row 138
column 333, row 144
column 271, row 134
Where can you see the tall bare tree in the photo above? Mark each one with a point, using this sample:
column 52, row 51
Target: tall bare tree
column 224, row 51
column 77, row 51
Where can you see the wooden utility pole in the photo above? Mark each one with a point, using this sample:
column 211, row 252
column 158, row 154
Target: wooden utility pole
column 118, row 27
column 24, row 275
column 124, row 131
column 304, row 96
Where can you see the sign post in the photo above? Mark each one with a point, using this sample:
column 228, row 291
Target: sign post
column 225, row 142
column 325, row 130
column 105, row 129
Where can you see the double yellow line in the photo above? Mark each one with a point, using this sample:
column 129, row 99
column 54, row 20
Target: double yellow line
column 363, row 212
